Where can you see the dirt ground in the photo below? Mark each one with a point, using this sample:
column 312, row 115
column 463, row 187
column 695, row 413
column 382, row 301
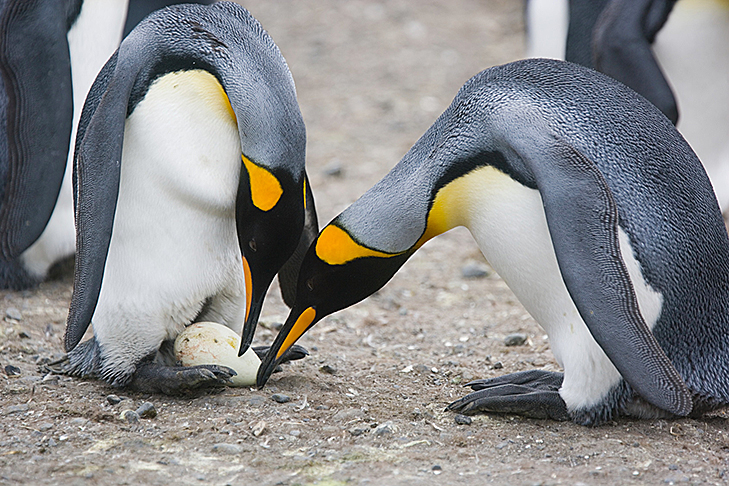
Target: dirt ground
column 366, row 407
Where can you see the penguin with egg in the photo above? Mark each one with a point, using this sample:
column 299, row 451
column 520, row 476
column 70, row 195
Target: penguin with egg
column 191, row 195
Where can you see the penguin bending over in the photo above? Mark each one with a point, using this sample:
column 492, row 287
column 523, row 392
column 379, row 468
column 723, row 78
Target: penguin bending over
column 50, row 54
column 592, row 208
column 190, row 153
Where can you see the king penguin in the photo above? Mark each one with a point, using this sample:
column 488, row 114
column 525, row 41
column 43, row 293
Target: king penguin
column 50, row 54
column 592, row 208
column 675, row 53
column 191, row 194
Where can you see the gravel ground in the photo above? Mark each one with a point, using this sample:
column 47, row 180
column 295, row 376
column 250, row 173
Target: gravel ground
column 367, row 406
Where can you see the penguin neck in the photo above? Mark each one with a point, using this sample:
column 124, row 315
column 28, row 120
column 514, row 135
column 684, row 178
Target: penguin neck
column 455, row 202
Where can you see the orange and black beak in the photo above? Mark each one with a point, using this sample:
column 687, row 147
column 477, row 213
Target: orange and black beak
column 294, row 327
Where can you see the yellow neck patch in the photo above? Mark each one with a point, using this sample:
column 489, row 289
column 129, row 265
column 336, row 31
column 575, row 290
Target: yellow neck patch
column 201, row 85
column 336, row 247
column 300, row 326
column 265, row 188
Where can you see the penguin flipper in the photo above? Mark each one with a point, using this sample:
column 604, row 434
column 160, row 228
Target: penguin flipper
column 36, row 115
column 288, row 275
column 582, row 217
column 533, row 394
column 622, row 49
column 97, row 169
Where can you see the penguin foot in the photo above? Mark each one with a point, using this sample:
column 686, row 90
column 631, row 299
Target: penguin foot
column 533, row 394
column 178, row 380
column 294, row 353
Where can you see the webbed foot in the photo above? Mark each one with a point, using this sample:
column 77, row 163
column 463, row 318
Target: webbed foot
column 292, row 354
column 533, row 394
column 178, row 380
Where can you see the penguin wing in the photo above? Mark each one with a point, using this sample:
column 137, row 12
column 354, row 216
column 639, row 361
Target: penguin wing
column 583, row 223
column 288, row 276
column 622, row 49
column 36, row 114
column 97, row 168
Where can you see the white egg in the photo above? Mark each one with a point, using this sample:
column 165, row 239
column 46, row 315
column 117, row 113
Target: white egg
column 205, row 343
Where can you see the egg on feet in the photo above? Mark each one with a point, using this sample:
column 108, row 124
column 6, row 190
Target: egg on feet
column 206, row 343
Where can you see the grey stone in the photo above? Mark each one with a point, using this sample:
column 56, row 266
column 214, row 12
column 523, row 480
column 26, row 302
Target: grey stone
column 130, row 416
column 385, row 429
column 230, row 449
column 13, row 409
column 462, row 419
column 113, row 399
column 329, row 369
column 146, row 411
column 515, row 339
column 280, row 398
column 13, row 313
column 474, row 270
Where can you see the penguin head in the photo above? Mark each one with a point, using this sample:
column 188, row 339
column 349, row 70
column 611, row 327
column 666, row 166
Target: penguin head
column 270, row 214
column 337, row 272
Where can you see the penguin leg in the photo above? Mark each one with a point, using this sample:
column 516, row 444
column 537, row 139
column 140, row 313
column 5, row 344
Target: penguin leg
column 151, row 377
column 533, row 394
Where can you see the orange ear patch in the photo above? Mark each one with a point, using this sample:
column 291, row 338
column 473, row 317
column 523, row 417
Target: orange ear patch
column 336, row 247
column 265, row 188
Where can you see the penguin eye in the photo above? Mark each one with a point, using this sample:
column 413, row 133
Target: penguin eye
column 310, row 284
column 252, row 245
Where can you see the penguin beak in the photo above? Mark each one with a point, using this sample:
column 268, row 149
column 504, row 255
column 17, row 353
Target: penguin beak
column 254, row 304
column 294, row 327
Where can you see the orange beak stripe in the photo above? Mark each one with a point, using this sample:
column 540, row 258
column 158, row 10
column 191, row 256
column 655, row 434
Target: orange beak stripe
column 249, row 286
column 301, row 325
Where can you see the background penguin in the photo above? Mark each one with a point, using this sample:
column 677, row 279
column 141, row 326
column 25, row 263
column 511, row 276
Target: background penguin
column 676, row 54
column 190, row 152
column 50, row 54
column 41, row 43
column 591, row 207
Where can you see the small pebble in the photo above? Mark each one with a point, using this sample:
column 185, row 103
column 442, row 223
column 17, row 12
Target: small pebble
column 45, row 426
column 13, row 313
column 385, row 429
column 23, row 335
column 498, row 365
column 295, row 433
column 50, row 379
column 474, row 270
column 280, row 398
column 23, row 407
column 357, row 431
column 421, row 368
column 52, row 442
column 329, row 369
column 231, row 449
column 259, row 428
column 113, row 399
column 516, row 339
column 333, row 168
column 437, row 469
column 462, row 419
column 130, row 416
column 146, row 411
column 11, row 370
